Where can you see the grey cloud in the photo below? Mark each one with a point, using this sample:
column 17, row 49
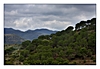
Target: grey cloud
column 42, row 15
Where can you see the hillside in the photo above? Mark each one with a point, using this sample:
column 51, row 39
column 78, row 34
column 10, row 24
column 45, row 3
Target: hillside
column 66, row 47
column 30, row 34
column 12, row 39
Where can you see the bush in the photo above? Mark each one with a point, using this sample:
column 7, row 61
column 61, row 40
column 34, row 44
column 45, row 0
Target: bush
column 66, row 61
column 9, row 50
column 25, row 43
column 55, row 62
column 94, row 60
column 8, row 63
column 74, row 63
column 84, row 61
column 49, row 60
column 25, row 53
column 21, row 58
column 26, row 62
column 60, row 59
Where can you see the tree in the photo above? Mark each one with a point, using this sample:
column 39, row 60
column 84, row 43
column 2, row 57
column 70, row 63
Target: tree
column 47, row 37
column 92, row 42
column 41, row 37
column 58, row 33
column 49, row 60
column 25, row 43
column 26, row 62
column 25, row 53
column 70, row 28
column 43, row 57
column 9, row 50
column 83, row 52
column 66, row 61
column 60, row 60
column 77, row 26
column 33, row 58
column 61, row 54
column 44, row 62
column 44, row 37
column 45, row 42
column 55, row 62
column 93, row 24
column 93, row 21
column 88, row 22
column 70, row 52
column 21, row 58
column 60, row 43
column 54, row 41
column 82, row 24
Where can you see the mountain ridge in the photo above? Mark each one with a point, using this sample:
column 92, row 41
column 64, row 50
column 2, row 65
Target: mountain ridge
column 29, row 34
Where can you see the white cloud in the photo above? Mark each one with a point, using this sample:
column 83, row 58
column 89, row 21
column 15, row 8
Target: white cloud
column 13, row 12
column 23, row 23
column 81, row 17
column 57, row 25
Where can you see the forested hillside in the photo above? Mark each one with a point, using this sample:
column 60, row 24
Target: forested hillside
column 62, row 48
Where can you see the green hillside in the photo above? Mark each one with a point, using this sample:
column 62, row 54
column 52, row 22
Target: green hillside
column 65, row 47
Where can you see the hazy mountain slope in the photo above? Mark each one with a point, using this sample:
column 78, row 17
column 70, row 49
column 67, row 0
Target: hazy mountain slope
column 12, row 39
column 30, row 34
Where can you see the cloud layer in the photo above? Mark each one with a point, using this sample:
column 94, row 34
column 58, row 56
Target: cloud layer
column 51, row 16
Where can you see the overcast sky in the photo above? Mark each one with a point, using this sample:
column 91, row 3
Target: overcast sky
column 50, row 16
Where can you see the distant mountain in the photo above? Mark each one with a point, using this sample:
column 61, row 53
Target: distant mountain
column 30, row 34
column 12, row 39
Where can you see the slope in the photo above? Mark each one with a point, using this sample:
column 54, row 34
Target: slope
column 12, row 39
column 30, row 34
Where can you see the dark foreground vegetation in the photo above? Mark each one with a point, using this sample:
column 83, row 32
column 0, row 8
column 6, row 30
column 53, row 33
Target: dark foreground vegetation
column 65, row 47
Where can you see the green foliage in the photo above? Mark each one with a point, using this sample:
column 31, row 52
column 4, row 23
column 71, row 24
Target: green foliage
column 21, row 58
column 9, row 50
column 50, row 59
column 25, row 53
column 44, row 37
column 84, row 61
column 66, row 61
column 42, row 57
column 8, row 63
column 45, row 42
column 55, row 62
column 74, row 63
column 61, row 53
column 70, row 28
column 63, row 47
column 94, row 60
column 26, row 62
column 25, row 43
column 60, row 59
